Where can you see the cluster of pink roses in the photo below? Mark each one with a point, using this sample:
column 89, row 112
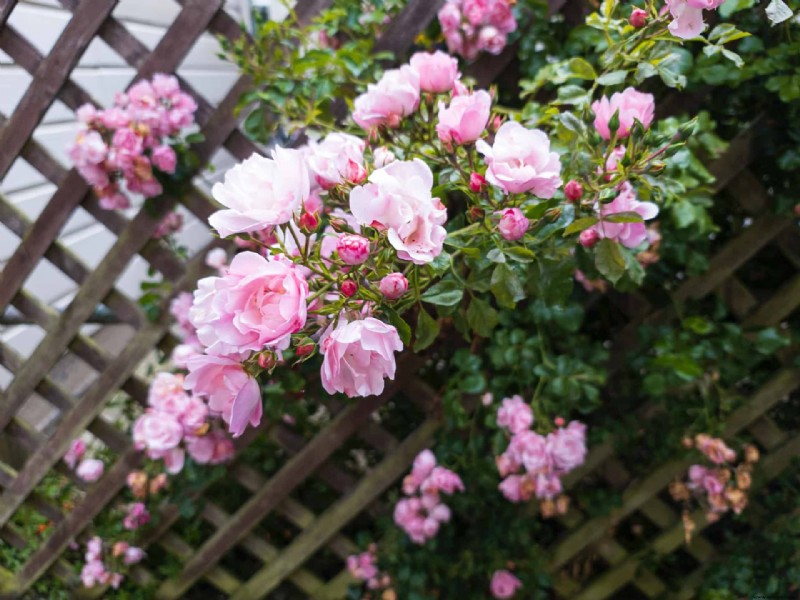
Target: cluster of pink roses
column 364, row 567
column 95, row 570
column 173, row 417
column 544, row 458
column 129, row 140
column 472, row 26
column 422, row 512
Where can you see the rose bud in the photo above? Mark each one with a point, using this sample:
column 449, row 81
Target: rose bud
column 573, row 191
column 513, row 224
column 476, row 182
column 308, row 222
column 638, row 18
column 353, row 249
column 588, row 238
column 348, row 288
column 393, row 286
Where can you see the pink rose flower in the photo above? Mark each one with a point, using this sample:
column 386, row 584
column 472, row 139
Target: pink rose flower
column 256, row 303
column 513, row 224
column 629, row 235
column 194, row 415
column 382, row 156
column 88, row 148
column 511, row 487
column 436, row 70
column 216, row 258
column 687, row 20
column 393, row 286
column 353, row 249
column 492, row 40
column 465, row 119
column 173, row 460
column 157, row 432
column 506, row 465
column 231, row 392
column 338, row 158
column 92, row 573
column 442, row 480
column 165, row 387
column 395, row 96
column 520, row 161
column 515, row 415
column 529, row 449
column 504, row 584
column 76, row 451
column 261, row 192
column 567, row 446
column 200, row 449
column 136, row 517
column 449, row 16
column 164, row 159
column 358, row 356
column 547, row 485
column 133, row 555
column 398, row 198
column 362, row 566
column 90, row 469
column 631, row 104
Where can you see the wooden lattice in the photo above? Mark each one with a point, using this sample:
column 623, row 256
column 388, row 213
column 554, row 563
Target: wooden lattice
column 292, row 563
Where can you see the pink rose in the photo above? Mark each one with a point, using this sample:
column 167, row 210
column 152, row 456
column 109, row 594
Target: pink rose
column 193, row 416
column 164, row 158
column 515, row 415
column 491, row 40
column 588, row 238
column 76, row 451
column 216, row 258
column 442, row 480
column 398, row 198
column 449, row 16
column 506, row 465
column 358, row 355
column 393, row 286
column 362, row 566
column 511, row 487
column 231, row 392
column 92, row 572
column 465, row 119
column 547, row 486
column 157, row 432
column 395, row 96
column 339, row 157
column 529, row 449
column 261, row 192
column 501, row 16
column 697, row 474
column 256, row 303
column 513, row 224
column 90, row 469
column 86, row 113
column 353, row 249
column 504, row 584
column 520, row 161
column 136, row 517
column 629, row 235
column 631, row 104
column 436, row 70
column 133, row 555
column 88, row 148
column 567, row 446
column 687, row 20
column 200, row 449
column 382, row 156
column 163, row 388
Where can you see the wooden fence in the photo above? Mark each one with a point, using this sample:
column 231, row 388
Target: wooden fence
column 32, row 454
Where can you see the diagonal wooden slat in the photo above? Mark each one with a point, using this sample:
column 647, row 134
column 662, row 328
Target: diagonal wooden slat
column 6, row 6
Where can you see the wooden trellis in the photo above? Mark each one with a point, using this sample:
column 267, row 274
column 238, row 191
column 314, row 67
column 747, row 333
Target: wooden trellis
column 39, row 453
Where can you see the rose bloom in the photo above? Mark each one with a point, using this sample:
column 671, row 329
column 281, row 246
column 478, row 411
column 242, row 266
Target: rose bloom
column 230, row 391
column 353, row 249
column 256, row 303
column 398, row 198
column 529, row 449
column 339, row 157
column 504, row 584
column 566, row 446
column 513, row 224
column 76, row 451
column 358, row 355
column 157, row 432
column 395, row 96
column 437, row 71
column 520, row 161
column 90, row 469
column 631, row 104
column 515, row 415
column 465, row 119
column 393, row 286
column 629, row 235
column 687, row 20
column 261, row 192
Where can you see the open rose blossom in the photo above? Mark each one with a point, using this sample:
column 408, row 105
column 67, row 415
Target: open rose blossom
column 629, row 235
column 632, row 106
column 687, row 20
column 395, row 96
column 398, row 199
column 337, row 158
column 230, row 390
column 504, row 584
column 90, row 469
column 256, row 303
column 358, row 355
column 464, row 121
column 437, row 71
column 261, row 192
column 520, row 161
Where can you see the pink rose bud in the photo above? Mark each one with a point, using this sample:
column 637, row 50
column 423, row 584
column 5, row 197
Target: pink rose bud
column 573, row 191
column 267, row 360
column 353, row 249
column 348, row 288
column 305, row 349
column 559, row 421
column 476, row 182
column 393, row 286
column 309, row 221
column 588, row 238
column 513, row 224
column 90, row 469
column 638, row 18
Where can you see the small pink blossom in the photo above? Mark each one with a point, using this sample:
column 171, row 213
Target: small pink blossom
column 687, row 20
column 133, row 555
column 92, row 573
column 216, row 258
column 629, row 235
column 393, row 286
column 157, row 433
column 353, row 249
column 90, row 469
column 76, row 451
column 465, row 119
column 504, row 584
column 164, row 159
column 566, row 446
column 395, row 96
column 529, row 449
column 515, row 415
column 630, row 104
column 338, row 158
column 437, row 71
column 513, row 224
column 137, row 516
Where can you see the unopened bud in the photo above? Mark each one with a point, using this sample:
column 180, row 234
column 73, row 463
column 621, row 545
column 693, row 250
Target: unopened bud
column 573, row 191
column 309, row 222
column 305, row 347
column 348, row 288
column 552, row 214
column 559, row 421
column 476, row 182
column 638, row 18
column 476, row 213
column 588, row 238
column 267, row 360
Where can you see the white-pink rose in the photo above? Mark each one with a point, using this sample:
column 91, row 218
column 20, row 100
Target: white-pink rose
column 339, row 157
column 630, row 104
column 513, row 224
column 395, row 96
column 504, row 584
column 520, row 161
column 157, row 432
column 398, row 198
column 358, row 355
column 353, row 249
column 393, row 286
column 567, row 446
column 90, row 469
column 464, row 121
column 256, row 303
column 629, row 235
column 437, row 71
column 261, row 192
column 687, row 20
column 515, row 415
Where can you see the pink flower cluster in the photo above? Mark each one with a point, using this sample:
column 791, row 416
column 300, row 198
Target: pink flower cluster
column 364, row 568
column 137, row 516
column 88, row 469
column 130, row 140
column 94, row 570
column 422, row 512
column 473, row 26
column 504, row 584
column 544, row 459
column 687, row 16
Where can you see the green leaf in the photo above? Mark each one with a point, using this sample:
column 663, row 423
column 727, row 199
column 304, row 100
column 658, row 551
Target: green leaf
column 581, row 69
column 624, row 217
column 612, row 78
column 496, row 255
column 520, row 254
column 609, row 260
column 426, row 331
column 579, row 225
column 403, row 328
column 506, row 286
column 447, row 292
column 482, row 318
